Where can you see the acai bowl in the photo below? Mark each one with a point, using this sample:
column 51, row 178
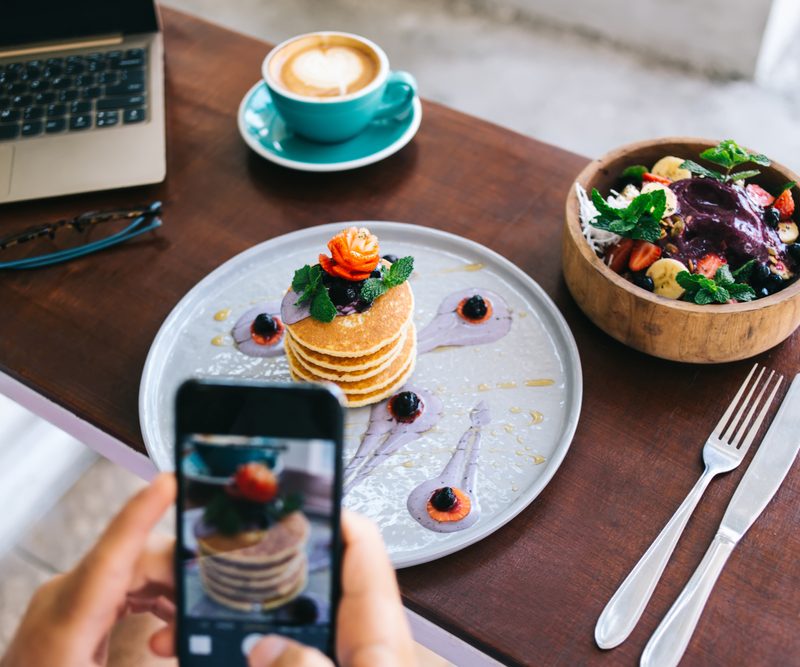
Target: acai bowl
column 696, row 285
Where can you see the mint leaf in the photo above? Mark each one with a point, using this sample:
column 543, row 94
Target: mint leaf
column 372, row 289
column 399, row 272
column 724, row 277
column 301, row 279
column 741, row 175
column 728, row 154
column 322, row 307
column 634, row 173
column 691, row 281
column 700, row 170
column 785, row 187
column 602, row 206
column 703, row 297
column 721, row 295
column 742, row 292
column 641, row 219
column 745, row 270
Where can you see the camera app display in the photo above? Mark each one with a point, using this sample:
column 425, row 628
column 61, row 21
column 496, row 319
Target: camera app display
column 257, row 540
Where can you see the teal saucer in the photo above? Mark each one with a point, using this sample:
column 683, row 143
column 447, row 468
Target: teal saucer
column 266, row 133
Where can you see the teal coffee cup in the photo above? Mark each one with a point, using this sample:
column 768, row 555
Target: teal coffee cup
column 328, row 86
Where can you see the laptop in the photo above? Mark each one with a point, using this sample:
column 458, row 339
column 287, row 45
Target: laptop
column 81, row 97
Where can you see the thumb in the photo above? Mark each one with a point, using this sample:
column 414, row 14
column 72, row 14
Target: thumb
column 277, row 651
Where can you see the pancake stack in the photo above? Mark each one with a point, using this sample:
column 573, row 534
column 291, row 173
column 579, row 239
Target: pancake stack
column 258, row 569
column 368, row 355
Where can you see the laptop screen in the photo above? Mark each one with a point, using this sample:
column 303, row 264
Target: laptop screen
column 33, row 21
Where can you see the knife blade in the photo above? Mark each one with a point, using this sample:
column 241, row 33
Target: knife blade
column 764, row 475
column 768, row 468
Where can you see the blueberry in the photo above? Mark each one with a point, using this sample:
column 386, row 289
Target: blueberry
column 774, row 283
column 444, row 499
column 474, row 307
column 760, row 275
column 375, row 274
column 794, row 252
column 361, row 305
column 644, row 281
column 390, row 258
column 405, row 404
column 761, row 292
column 772, row 217
column 343, row 294
column 264, row 325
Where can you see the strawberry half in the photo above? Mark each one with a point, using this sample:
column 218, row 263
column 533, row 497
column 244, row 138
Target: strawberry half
column 647, row 177
column 617, row 255
column 784, row 204
column 643, row 254
column 759, row 195
column 256, row 482
column 709, row 264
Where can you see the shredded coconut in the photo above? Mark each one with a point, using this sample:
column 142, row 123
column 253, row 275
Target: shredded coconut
column 598, row 239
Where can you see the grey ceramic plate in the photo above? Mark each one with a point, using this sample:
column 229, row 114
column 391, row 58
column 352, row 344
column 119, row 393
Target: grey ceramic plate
column 531, row 378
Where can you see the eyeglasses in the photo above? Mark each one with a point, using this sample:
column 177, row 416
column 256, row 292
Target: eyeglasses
column 55, row 246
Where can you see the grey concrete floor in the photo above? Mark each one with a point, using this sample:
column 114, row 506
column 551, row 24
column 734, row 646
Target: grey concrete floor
column 580, row 94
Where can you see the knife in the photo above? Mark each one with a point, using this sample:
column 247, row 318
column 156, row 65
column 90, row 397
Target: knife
column 765, row 474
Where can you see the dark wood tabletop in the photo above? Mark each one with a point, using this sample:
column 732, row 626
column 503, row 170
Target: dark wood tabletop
column 530, row 593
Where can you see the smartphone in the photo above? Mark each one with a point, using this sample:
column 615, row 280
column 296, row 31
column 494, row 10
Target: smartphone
column 258, row 535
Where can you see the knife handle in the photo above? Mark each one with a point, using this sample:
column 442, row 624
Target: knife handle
column 668, row 643
column 625, row 608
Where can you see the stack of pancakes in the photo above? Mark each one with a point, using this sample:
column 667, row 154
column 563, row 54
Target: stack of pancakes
column 369, row 355
column 257, row 569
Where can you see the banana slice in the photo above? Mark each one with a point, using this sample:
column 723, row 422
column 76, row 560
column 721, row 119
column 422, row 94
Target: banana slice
column 788, row 232
column 672, row 200
column 670, row 167
column 662, row 272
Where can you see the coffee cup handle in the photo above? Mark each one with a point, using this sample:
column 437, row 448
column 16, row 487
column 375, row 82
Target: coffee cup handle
column 398, row 106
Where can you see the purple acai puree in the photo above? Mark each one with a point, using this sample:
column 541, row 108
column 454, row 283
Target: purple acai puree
column 721, row 218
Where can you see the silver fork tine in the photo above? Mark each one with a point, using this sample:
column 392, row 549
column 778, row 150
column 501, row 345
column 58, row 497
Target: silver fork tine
column 735, row 439
column 757, row 423
column 724, row 419
column 745, row 403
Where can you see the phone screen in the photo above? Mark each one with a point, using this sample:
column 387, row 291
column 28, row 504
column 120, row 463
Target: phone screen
column 257, row 543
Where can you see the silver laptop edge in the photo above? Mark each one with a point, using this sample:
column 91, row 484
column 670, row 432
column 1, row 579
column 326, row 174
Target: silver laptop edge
column 98, row 159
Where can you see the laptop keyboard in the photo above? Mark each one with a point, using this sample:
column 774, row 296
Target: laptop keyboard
column 73, row 93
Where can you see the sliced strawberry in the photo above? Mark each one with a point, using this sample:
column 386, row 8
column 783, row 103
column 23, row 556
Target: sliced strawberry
column 647, row 177
column 643, row 254
column 784, row 204
column 709, row 264
column 256, row 482
column 617, row 255
column 759, row 195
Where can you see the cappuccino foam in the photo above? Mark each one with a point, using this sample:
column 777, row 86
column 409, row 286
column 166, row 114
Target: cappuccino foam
column 324, row 66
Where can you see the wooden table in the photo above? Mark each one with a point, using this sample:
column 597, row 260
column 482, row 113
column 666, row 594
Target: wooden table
column 74, row 340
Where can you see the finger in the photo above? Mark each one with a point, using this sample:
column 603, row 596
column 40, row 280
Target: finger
column 162, row 642
column 119, row 547
column 158, row 606
column 96, row 588
column 366, row 569
column 370, row 594
column 154, row 571
column 277, row 651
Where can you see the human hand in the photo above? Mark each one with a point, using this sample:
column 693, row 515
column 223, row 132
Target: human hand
column 69, row 619
column 372, row 630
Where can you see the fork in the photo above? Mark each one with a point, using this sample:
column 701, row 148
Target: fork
column 723, row 451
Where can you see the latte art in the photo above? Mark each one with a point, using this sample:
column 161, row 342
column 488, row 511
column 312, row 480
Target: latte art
column 324, row 66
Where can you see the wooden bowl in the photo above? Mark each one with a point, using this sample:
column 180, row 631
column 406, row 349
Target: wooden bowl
column 666, row 328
